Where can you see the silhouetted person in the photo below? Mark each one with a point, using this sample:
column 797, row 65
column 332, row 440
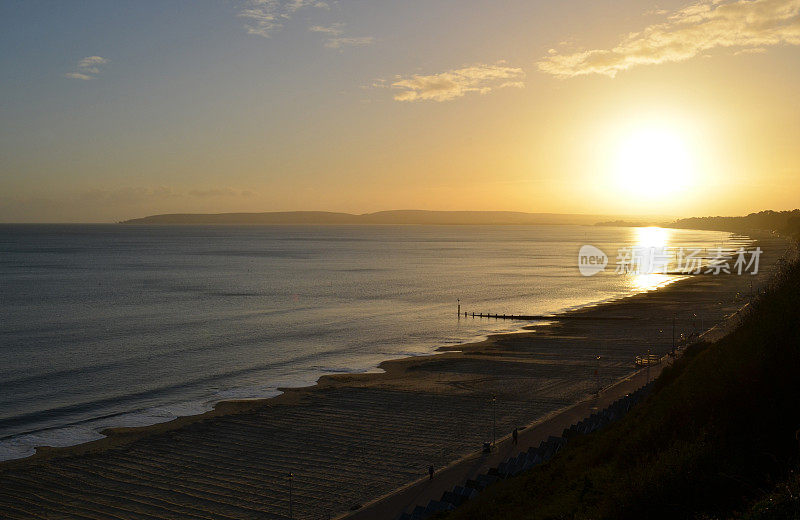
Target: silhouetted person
column 797, row 438
column 514, row 436
column 430, row 471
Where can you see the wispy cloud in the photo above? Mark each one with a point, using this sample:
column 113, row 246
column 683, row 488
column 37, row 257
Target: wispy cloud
column 221, row 192
column 456, row 83
column 127, row 195
column 88, row 68
column 746, row 25
column 337, row 39
column 348, row 41
column 264, row 17
column 334, row 29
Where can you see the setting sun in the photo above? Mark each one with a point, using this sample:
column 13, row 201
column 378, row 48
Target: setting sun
column 653, row 163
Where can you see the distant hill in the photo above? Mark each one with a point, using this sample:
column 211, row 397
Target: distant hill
column 417, row 217
column 283, row 217
column 787, row 222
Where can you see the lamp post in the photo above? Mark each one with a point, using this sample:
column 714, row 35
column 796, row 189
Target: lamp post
column 597, row 375
column 291, row 512
column 673, row 333
column 494, row 419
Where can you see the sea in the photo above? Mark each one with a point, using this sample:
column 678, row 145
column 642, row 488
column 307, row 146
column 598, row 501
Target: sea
column 113, row 325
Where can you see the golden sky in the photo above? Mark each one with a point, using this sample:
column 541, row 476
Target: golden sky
column 114, row 110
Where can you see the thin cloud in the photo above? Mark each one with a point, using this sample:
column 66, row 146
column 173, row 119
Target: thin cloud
column 88, row 68
column 349, row 41
column 337, row 39
column 334, row 29
column 78, row 75
column 127, row 195
column 264, row 17
column 220, row 192
column 754, row 50
column 456, row 83
column 745, row 25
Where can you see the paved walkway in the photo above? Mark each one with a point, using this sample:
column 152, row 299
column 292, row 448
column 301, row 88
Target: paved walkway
column 424, row 490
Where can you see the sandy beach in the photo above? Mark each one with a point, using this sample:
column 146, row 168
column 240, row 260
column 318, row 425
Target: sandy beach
column 354, row 438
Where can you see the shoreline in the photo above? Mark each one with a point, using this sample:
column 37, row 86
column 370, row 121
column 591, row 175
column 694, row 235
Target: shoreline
column 116, row 436
column 62, row 432
column 227, row 406
column 423, row 490
column 353, row 438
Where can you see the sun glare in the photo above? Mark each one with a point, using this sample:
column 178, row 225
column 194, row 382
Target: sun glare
column 651, row 237
column 653, row 163
column 647, row 238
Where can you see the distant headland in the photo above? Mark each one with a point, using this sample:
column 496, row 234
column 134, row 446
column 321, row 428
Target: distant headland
column 414, row 217
column 782, row 221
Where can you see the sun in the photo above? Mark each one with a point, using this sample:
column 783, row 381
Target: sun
column 653, row 163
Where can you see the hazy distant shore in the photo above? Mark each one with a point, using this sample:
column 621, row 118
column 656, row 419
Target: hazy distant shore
column 411, row 217
column 352, row 430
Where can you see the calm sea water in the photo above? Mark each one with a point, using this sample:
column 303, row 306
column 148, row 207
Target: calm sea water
column 104, row 325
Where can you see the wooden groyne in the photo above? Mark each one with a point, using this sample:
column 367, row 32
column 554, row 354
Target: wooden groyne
column 524, row 317
column 538, row 317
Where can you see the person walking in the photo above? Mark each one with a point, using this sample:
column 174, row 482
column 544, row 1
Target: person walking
column 430, row 471
column 515, row 436
column 797, row 438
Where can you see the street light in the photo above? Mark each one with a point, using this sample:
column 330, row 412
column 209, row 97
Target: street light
column 673, row 332
column 597, row 375
column 494, row 419
column 291, row 512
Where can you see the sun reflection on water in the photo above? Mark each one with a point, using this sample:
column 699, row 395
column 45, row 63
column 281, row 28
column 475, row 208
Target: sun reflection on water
column 651, row 237
column 647, row 238
column 649, row 282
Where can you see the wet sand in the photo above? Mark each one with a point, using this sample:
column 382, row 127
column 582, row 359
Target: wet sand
column 353, row 438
